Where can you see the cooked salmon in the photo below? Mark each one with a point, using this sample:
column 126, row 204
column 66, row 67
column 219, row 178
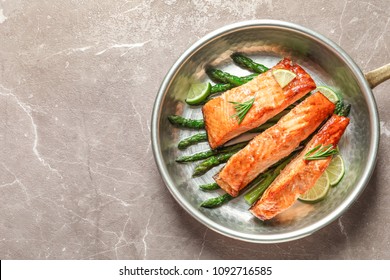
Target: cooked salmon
column 274, row 143
column 270, row 99
column 300, row 174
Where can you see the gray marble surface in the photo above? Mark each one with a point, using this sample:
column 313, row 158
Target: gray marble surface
column 78, row 81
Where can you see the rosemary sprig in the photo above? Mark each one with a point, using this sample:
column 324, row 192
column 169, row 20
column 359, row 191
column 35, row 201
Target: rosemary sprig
column 320, row 152
column 242, row 109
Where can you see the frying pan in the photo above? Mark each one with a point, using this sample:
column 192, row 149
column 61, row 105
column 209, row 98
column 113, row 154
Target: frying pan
column 267, row 41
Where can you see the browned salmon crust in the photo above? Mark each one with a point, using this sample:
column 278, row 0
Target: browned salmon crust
column 270, row 99
column 300, row 174
column 274, row 144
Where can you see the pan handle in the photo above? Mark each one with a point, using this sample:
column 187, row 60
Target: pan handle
column 377, row 76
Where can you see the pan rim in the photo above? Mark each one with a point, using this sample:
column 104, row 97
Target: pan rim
column 291, row 235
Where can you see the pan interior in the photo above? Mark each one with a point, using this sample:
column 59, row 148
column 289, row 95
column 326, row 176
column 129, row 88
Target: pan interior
column 266, row 44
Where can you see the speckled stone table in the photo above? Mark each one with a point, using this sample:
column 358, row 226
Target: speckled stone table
column 77, row 84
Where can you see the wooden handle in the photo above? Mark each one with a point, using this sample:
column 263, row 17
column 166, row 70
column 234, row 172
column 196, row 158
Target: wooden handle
column 377, row 76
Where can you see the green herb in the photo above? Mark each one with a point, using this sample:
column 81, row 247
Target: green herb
column 320, row 152
column 242, row 109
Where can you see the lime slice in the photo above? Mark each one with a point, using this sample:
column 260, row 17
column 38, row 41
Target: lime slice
column 336, row 170
column 318, row 192
column 283, row 76
column 329, row 93
column 198, row 93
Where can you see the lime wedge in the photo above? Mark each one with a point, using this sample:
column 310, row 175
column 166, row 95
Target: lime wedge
column 329, row 93
column 318, row 192
column 283, row 76
column 336, row 170
column 198, row 93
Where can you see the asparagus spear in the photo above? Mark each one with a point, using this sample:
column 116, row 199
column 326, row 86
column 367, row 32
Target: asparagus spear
column 342, row 109
column 254, row 194
column 209, row 163
column 209, row 187
column 269, row 177
column 186, row 123
column 192, row 140
column 249, row 64
column 220, row 76
column 220, row 88
column 197, row 156
column 216, row 201
column 209, row 153
column 226, row 81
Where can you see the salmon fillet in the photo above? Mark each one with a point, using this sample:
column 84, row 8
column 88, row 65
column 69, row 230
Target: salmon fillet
column 270, row 99
column 300, row 174
column 274, row 143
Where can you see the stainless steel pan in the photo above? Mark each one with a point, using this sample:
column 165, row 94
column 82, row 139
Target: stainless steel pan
column 267, row 41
